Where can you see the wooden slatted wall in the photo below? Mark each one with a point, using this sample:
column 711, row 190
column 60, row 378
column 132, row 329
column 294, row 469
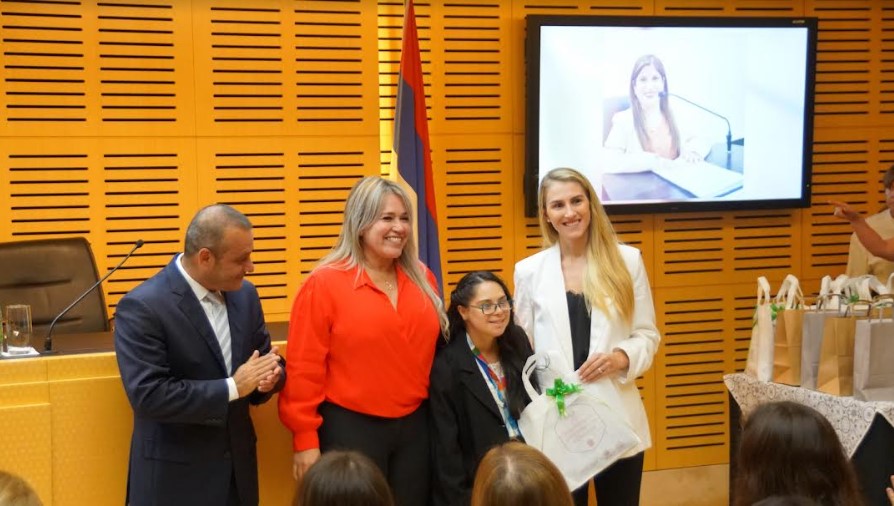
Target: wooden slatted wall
column 119, row 119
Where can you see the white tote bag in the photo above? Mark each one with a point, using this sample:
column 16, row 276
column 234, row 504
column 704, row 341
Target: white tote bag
column 577, row 427
column 760, row 349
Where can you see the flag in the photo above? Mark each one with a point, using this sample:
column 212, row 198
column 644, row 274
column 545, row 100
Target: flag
column 411, row 150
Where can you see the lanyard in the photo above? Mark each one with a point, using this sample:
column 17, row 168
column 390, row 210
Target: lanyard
column 498, row 386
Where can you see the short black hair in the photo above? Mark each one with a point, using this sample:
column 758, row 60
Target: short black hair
column 206, row 230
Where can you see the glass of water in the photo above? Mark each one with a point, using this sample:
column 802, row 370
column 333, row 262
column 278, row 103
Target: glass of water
column 18, row 328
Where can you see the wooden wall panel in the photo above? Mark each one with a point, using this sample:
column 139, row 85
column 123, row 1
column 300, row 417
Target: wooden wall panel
column 92, row 69
column 477, row 192
column 699, row 346
column 845, row 167
column 149, row 193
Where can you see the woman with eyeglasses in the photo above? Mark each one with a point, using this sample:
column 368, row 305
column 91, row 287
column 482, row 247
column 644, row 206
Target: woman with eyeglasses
column 476, row 393
column 587, row 297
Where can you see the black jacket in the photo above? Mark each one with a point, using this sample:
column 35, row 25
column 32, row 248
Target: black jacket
column 466, row 422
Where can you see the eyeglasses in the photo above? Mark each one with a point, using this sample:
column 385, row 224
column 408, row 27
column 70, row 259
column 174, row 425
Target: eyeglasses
column 491, row 308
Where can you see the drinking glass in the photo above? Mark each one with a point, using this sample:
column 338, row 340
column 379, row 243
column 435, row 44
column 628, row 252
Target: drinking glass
column 18, row 328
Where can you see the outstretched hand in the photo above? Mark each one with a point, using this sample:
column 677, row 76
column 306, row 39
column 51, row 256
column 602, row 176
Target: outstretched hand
column 844, row 211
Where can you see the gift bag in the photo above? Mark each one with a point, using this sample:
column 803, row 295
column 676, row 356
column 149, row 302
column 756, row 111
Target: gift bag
column 787, row 332
column 835, row 374
column 760, row 349
column 874, row 355
column 812, row 325
column 579, row 427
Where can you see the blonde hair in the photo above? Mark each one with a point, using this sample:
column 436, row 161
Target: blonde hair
column 14, row 491
column 515, row 473
column 606, row 276
column 361, row 211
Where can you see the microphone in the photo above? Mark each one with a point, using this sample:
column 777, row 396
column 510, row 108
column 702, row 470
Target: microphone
column 729, row 130
column 48, row 342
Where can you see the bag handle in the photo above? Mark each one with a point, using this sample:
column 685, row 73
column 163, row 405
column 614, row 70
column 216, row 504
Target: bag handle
column 853, row 307
column 527, row 371
column 835, row 302
column 789, row 295
column 880, row 302
column 825, row 286
column 763, row 290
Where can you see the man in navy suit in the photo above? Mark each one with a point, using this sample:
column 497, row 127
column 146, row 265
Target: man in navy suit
column 194, row 352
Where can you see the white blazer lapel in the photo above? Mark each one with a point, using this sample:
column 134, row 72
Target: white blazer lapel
column 557, row 303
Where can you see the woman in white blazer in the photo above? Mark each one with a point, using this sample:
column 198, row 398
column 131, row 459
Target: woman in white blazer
column 587, row 297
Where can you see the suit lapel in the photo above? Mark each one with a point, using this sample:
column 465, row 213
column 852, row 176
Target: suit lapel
column 191, row 308
column 237, row 343
column 472, row 379
column 557, row 302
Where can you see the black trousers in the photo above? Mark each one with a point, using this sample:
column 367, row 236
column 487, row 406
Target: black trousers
column 399, row 446
column 616, row 485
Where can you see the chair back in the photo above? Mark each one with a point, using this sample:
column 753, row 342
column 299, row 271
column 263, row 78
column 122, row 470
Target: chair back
column 49, row 274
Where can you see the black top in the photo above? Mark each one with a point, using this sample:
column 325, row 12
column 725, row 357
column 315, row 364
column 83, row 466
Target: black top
column 580, row 327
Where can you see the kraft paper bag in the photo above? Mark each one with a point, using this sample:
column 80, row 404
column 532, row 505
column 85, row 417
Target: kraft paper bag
column 787, row 333
column 874, row 359
column 836, row 367
column 787, row 346
column 760, row 349
column 812, row 326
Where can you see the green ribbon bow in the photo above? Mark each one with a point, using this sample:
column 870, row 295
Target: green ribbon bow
column 559, row 390
column 774, row 309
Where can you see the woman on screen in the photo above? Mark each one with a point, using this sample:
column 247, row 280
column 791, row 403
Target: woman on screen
column 646, row 132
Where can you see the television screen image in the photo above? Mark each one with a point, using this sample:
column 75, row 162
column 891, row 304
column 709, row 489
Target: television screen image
column 673, row 114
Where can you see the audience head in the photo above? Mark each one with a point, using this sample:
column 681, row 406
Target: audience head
column 14, row 491
column 787, row 500
column 343, row 478
column 218, row 246
column 791, row 449
column 515, row 474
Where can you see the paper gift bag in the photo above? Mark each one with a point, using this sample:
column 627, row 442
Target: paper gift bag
column 581, row 428
column 836, row 367
column 874, row 359
column 787, row 346
column 760, row 349
column 812, row 324
column 787, row 332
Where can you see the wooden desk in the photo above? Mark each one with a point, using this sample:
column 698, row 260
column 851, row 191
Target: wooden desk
column 65, row 425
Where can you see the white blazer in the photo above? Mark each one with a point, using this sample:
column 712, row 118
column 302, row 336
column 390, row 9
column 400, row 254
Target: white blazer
column 541, row 308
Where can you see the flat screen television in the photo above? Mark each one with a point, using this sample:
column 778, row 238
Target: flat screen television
column 668, row 114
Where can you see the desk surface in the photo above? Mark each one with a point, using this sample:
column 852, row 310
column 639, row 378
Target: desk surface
column 99, row 342
column 624, row 186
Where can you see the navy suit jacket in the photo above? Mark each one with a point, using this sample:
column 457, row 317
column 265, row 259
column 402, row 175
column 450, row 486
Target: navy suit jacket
column 187, row 439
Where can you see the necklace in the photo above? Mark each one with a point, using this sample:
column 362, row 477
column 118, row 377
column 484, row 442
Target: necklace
column 389, row 285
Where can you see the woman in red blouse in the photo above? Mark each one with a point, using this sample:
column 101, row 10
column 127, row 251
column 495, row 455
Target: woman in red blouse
column 361, row 342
